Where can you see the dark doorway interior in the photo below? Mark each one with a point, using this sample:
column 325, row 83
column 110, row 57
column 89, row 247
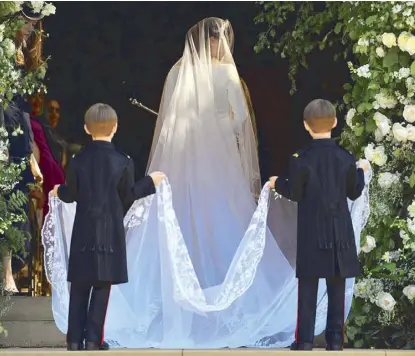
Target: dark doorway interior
column 111, row 51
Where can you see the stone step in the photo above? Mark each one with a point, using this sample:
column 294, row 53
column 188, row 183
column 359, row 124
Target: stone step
column 29, row 309
column 223, row 352
column 28, row 334
column 30, row 324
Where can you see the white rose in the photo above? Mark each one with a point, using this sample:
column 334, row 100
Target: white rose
column 369, row 245
column 9, row 47
column 369, row 150
column 399, row 132
column 402, row 40
column 409, row 292
column 385, row 301
column 3, row 156
column 411, row 210
column 364, row 71
column 410, row 45
column 385, row 101
column 349, row 117
column 378, row 135
column 380, row 52
column 404, row 236
column 363, row 42
column 409, row 113
column 386, row 180
column 389, row 40
column 37, row 6
column 411, row 225
column 411, row 132
column 382, row 123
column 48, row 10
column 379, row 156
column 404, row 73
column 397, row 8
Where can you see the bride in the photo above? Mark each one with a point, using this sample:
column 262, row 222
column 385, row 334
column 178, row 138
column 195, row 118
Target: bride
column 204, row 270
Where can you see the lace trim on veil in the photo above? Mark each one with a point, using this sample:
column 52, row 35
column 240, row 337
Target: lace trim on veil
column 186, row 288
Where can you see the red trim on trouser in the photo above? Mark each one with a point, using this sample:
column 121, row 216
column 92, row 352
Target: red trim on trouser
column 344, row 321
column 103, row 325
column 298, row 312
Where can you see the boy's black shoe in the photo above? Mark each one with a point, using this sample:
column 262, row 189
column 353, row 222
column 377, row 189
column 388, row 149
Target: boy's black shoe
column 94, row 346
column 307, row 346
column 104, row 346
column 75, row 346
column 334, row 347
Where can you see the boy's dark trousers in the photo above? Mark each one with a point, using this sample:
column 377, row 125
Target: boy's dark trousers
column 87, row 310
column 306, row 314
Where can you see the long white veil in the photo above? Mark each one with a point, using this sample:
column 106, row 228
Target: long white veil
column 191, row 101
column 204, row 269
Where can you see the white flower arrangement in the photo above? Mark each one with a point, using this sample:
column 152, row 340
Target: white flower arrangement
column 376, row 155
column 364, row 71
column 386, row 301
column 409, row 292
column 385, row 101
column 387, row 180
column 380, row 52
column 349, row 117
column 389, row 40
column 379, row 103
column 369, row 244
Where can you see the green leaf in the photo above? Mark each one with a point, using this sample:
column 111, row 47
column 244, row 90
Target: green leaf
column 347, row 97
column 353, row 35
column 373, row 86
column 413, row 69
column 358, row 131
column 361, row 108
column 396, row 153
column 338, row 28
column 404, row 59
column 364, row 107
column 391, row 58
column 371, row 19
column 347, row 86
column 370, row 126
column 358, row 344
column 412, row 180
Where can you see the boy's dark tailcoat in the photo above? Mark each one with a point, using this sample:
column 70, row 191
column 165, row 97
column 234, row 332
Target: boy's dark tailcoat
column 321, row 178
column 101, row 181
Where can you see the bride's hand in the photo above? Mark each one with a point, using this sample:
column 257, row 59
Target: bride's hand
column 157, row 177
column 272, row 182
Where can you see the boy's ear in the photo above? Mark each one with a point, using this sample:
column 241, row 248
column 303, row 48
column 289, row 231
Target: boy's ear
column 86, row 130
column 115, row 128
column 335, row 122
column 306, row 126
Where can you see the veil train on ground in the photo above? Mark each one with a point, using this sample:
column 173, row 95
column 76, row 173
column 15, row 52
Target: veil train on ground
column 208, row 267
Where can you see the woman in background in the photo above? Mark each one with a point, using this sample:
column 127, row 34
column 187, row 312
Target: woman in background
column 22, row 147
column 50, row 168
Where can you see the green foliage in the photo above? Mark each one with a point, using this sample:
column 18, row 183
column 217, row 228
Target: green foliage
column 377, row 42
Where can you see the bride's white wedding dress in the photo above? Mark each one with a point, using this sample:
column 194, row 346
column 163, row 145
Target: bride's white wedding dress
column 204, row 269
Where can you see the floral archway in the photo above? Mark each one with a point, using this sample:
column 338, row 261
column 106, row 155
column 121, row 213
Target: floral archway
column 377, row 43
